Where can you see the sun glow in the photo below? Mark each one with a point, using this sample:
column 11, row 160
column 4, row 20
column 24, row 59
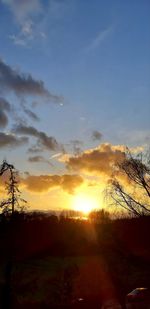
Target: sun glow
column 85, row 203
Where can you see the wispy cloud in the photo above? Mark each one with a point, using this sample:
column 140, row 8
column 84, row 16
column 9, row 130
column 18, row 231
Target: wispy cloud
column 5, row 108
column 11, row 140
column 99, row 38
column 3, row 119
column 39, row 159
column 55, row 156
column 25, row 14
column 43, row 140
column 32, row 18
column 24, row 84
column 27, row 34
column 32, row 115
column 23, row 9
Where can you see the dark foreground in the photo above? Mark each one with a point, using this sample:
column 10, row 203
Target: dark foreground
column 51, row 263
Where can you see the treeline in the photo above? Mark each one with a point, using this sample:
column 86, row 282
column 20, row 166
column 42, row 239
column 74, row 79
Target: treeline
column 35, row 234
column 33, row 243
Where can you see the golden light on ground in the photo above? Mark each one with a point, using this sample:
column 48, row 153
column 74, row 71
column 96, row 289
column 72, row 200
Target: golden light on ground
column 85, row 203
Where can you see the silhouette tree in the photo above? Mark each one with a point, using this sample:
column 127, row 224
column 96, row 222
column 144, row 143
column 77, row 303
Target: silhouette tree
column 14, row 201
column 135, row 196
column 99, row 216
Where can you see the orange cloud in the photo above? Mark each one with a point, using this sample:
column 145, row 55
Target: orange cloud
column 97, row 161
column 44, row 183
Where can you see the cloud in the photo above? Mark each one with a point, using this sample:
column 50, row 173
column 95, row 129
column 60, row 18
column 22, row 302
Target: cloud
column 23, row 84
column 23, row 9
column 96, row 135
column 3, row 119
column 10, row 140
column 32, row 19
column 44, row 183
column 35, row 149
column 18, row 40
column 38, row 159
column 24, row 12
column 98, row 161
column 28, row 33
column 5, row 107
column 31, row 114
column 56, row 155
column 76, row 146
column 44, row 141
column 100, row 37
column 70, row 182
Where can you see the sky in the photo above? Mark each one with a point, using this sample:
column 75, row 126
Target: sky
column 74, row 92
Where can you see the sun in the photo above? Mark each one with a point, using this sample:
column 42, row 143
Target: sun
column 84, row 203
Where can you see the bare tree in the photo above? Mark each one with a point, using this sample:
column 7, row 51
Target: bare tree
column 134, row 196
column 14, row 201
column 99, row 216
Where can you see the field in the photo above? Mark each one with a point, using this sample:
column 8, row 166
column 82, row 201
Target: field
column 72, row 264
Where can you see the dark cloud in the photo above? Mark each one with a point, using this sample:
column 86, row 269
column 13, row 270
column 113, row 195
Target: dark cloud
column 96, row 135
column 23, row 84
column 5, row 105
column 44, row 183
column 3, row 119
column 98, row 161
column 47, row 142
column 10, row 140
column 31, row 114
column 38, row 159
column 35, row 159
column 35, row 149
column 76, row 146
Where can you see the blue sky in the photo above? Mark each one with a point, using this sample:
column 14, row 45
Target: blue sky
column 94, row 54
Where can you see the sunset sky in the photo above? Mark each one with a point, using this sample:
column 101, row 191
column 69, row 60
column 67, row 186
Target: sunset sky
column 74, row 91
